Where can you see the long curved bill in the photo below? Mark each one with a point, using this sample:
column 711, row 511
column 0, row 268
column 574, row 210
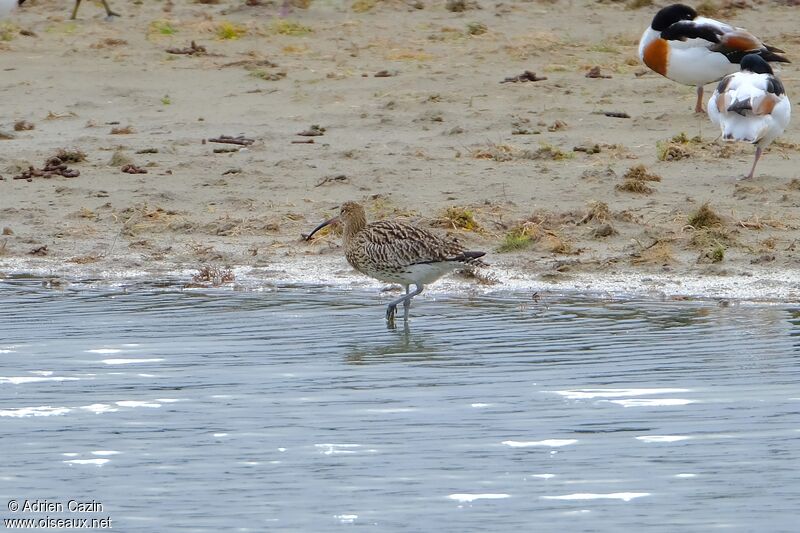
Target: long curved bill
column 330, row 221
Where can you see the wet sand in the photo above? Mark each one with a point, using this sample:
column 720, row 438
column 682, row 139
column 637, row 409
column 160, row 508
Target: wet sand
column 414, row 123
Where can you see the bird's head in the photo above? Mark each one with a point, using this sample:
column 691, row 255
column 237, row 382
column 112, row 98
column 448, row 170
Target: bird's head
column 671, row 14
column 754, row 63
column 351, row 214
column 351, row 211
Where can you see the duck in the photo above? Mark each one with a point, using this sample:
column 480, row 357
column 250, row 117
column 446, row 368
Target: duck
column 694, row 50
column 394, row 251
column 751, row 106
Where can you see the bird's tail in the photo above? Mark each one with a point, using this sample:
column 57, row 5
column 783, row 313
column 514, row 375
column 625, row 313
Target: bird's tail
column 470, row 258
column 741, row 106
column 773, row 54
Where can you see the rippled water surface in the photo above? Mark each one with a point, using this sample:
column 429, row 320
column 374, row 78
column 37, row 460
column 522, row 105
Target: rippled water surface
column 296, row 409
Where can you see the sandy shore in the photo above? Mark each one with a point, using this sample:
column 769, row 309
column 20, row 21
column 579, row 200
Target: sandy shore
column 414, row 123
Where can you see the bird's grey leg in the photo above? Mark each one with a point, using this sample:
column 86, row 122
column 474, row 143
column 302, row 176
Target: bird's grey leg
column 405, row 300
column 391, row 309
column 698, row 107
column 752, row 170
column 406, row 305
column 109, row 13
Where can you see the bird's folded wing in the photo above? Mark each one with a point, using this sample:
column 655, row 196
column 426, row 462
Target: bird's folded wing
column 402, row 244
column 737, row 43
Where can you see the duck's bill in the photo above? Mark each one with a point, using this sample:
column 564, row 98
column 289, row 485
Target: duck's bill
column 327, row 222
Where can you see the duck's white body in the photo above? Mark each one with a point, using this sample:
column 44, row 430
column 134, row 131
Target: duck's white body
column 689, row 62
column 761, row 125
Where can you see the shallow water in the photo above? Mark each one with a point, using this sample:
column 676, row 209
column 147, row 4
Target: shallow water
column 296, row 409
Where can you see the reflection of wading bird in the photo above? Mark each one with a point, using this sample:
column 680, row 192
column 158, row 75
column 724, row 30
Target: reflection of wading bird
column 750, row 106
column 396, row 252
column 696, row 50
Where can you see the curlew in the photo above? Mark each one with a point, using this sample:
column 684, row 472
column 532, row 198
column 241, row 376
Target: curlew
column 397, row 252
column 751, row 106
column 695, row 50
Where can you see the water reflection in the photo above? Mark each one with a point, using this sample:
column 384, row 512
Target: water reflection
column 399, row 346
column 591, row 415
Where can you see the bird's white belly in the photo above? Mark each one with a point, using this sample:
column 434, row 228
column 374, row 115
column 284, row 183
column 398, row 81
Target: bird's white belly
column 419, row 274
column 697, row 65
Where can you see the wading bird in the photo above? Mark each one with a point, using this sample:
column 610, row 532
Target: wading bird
column 397, row 252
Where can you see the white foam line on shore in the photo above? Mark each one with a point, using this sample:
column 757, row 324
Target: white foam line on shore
column 757, row 284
